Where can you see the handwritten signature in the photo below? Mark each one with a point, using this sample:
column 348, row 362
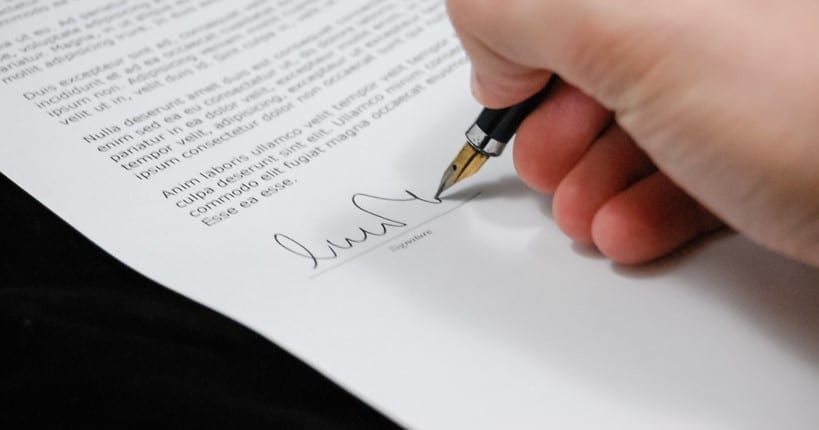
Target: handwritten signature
column 330, row 250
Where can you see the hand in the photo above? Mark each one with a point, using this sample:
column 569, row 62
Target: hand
column 674, row 117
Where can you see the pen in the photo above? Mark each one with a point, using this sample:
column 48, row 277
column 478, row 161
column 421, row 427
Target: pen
column 488, row 137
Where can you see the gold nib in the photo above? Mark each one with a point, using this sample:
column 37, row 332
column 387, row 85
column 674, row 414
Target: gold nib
column 466, row 164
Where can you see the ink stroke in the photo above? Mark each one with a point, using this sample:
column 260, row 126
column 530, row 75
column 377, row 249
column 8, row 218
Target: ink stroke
column 331, row 249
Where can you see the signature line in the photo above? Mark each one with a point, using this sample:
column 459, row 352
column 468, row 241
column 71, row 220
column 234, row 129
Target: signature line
column 363, row 253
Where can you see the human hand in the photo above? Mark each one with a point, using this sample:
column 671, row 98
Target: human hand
column 673, row 117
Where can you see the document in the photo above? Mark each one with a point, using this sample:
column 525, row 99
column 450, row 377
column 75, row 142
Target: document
column 277, row 161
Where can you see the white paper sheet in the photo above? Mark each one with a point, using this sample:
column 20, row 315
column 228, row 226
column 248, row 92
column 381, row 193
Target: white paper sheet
column 124, row 116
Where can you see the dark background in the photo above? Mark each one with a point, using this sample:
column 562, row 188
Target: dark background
column 88, row 341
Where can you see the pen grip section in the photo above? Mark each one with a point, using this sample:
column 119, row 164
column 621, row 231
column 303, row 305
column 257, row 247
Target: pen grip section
column 502, row 124
column 489, row 119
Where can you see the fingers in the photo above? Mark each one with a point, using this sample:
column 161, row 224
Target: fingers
column 556, row 135
column 613, row 197
column 497, row 81
column 507, row 85
column 609, row 167
column 648, row 220
column 594, row 44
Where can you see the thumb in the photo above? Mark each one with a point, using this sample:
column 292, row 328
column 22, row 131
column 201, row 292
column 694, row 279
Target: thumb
column 515, row 44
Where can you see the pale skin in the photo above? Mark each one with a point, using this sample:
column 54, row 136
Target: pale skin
column 674, row 118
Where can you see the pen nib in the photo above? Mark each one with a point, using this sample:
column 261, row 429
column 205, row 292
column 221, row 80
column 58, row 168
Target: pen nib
column 465, row 164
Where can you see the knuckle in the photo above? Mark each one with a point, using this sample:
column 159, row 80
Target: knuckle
column 469, row 14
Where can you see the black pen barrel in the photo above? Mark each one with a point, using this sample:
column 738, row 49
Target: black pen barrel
column 502, row 124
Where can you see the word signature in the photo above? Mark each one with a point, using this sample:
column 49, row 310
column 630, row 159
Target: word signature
column 330, row 250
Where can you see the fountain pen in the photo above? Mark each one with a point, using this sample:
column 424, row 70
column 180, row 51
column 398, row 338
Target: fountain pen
column 488, row 137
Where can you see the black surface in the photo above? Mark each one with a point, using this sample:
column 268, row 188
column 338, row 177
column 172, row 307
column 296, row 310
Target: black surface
column 86, row 341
